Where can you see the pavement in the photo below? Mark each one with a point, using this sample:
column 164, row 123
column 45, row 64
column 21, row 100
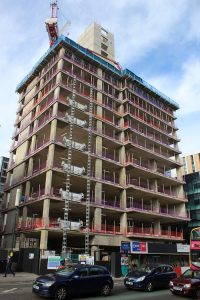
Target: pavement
column 19, row 277
column 28, row 277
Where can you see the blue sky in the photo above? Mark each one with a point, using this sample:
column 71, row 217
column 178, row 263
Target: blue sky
column 159, row 40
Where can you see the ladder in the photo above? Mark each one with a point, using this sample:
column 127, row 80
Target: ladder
column 87, row 229
column 68, row 173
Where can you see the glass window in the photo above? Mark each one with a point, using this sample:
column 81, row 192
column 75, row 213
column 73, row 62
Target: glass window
column 104, row 47
column 96, row 271
column 83, row 272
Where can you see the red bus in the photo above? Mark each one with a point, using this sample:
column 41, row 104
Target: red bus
column 195, row 249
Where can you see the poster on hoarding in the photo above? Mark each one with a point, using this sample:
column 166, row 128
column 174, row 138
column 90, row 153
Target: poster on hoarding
column 53, row 262
column 183, row 248
column 139, row 247
column 86, row 259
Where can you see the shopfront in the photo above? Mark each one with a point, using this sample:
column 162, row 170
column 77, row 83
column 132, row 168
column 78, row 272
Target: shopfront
column 136, row 254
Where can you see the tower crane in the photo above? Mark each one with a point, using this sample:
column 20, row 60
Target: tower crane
column 52, row 23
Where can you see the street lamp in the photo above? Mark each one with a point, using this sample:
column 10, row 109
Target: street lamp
column 17, row 199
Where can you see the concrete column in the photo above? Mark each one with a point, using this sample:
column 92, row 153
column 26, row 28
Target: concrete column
column 153, row 164
column 179, row 173
column 59, row 78
column 27, row 189
column 98, row 168
column 61, row 52
column 121, row 110
column 41, row 82
column 24, row 213
column 97, row 218
column 99, row 96
column 95, row 251
column 50, row 156
column 153, row 184
column 180, row 192
column 123, row 223
column 22, row 235
column 157, row 228
column 45, row 213
column 156, row 205
column 60, row 64
column 98, row 192
column 99, row 126
column 30, row 166
column 122, row 155
column 181, row 210
column 33, row 142
column 43, row 239
column 53, row 130
column 56, row 92
column 55, row 109
column 122, row 176
column 99, row 81
column 123, row 199
column 48, row 182
column 98, row 145
column 99, row 111
column 45, row 218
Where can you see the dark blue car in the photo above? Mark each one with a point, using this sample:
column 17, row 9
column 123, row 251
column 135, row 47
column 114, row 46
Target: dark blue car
column 80, row 279
column 150, row 278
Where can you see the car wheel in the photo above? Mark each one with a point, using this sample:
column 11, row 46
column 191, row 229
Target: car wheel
column 105, row 290
column 60, row 293
column 198, row 294
column 149, row 287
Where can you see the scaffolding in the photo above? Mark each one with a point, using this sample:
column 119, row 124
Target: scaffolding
column 87, row 229
column 68, row 172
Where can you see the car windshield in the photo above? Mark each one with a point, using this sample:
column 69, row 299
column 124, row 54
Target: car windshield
column 66, row 271
column 191, row 274
column 142, row 270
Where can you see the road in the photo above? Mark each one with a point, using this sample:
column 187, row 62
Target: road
column 22, row 291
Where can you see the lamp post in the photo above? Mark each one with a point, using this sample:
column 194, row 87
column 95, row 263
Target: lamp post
column 17, row 199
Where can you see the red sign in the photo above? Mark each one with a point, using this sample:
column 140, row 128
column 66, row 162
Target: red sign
column 143, row 247
column 195, row 245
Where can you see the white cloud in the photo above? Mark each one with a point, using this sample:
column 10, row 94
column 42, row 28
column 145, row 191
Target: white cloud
column 185, row 88
column 139, row 26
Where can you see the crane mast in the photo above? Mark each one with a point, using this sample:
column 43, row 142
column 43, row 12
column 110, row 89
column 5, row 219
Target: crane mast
column 52, row 23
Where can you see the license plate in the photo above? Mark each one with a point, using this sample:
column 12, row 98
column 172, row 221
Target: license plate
column 129, row 283
column 36, row 287
column 177, row 288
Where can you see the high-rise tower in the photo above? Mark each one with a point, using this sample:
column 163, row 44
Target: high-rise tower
column 134, row 145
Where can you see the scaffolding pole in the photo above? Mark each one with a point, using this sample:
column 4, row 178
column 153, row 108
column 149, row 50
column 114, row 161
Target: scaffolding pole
column 68, row 173
column 87, row 229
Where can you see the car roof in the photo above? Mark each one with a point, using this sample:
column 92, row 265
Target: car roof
column 89, row 266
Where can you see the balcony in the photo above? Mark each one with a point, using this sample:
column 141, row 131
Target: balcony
column 145, row 185
column 148, row 208
column 149, row 232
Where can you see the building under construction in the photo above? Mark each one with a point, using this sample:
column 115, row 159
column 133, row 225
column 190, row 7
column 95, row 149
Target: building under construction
column 93, row 151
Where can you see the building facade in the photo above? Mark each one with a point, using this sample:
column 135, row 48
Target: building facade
column 191, row 164
column 134, row 146
column 3, row 168
column 99, row 40
column 192, row 189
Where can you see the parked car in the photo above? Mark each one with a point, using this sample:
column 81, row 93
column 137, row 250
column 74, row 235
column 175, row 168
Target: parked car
column 150, row 278
column 79, row 279
column 188, row 284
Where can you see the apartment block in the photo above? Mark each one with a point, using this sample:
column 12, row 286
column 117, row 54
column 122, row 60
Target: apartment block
column 191, row 163
column 133, row 148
